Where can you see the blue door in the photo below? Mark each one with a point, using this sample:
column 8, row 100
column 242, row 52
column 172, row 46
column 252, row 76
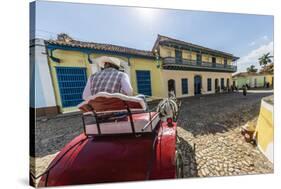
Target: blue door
column 143, row 82
column 197, row 85
column 72, row 81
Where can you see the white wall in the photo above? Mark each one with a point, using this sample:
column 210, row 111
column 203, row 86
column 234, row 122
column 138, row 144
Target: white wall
column 41, row 87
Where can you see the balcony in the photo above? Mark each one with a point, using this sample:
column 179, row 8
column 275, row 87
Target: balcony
column 186, row 64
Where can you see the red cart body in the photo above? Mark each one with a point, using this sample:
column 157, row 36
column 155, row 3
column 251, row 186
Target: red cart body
column 117, row 157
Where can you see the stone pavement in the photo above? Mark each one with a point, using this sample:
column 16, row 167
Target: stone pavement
column 210, row 139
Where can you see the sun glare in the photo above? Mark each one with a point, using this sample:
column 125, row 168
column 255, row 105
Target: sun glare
column 147, row 13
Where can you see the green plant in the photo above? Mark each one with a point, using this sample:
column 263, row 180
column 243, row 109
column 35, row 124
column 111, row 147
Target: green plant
column 252, row 69
column 265, row 59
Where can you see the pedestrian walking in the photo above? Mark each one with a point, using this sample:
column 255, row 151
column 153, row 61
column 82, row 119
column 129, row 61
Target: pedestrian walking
column 244, row 90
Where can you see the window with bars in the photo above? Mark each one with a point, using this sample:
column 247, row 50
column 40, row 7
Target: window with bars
column 71, row 82
column 144, row 82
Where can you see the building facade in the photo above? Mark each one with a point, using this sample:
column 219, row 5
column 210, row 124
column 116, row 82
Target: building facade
column 189, row 69
column 253, row 80
column 172, row 65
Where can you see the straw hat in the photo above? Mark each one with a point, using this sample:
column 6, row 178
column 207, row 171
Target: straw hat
column 107, row 59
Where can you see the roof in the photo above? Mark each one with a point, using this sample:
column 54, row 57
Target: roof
column 65, row 40
column 163, row 39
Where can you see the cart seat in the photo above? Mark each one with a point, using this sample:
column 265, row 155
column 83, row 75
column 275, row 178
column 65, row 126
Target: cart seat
column 104, row 102
column 142, row 124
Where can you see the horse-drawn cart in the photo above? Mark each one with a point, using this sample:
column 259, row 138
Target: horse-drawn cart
column 122, row 141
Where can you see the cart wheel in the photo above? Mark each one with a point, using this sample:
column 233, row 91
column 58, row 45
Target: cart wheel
column 179, row 164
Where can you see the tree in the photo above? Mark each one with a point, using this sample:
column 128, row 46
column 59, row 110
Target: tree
column 265, row 59
column 252, row 69
column 267, row 69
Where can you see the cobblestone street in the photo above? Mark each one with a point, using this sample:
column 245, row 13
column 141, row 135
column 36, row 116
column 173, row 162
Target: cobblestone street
column 210, row 139
column 209, row 136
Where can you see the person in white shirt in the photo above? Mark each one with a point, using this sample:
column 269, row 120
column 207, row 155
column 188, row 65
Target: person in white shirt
column 110, row 79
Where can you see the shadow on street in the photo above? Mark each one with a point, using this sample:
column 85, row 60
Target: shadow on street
column 218, row 113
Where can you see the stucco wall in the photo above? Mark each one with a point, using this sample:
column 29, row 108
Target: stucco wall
column 269, row 78
column 170, row 52
column 250, row 80
column 177, row 75
column 159, row 77
column 41, row 87
column 155, row 74
column 265, row 128
column 167, row 51
column 77, row 59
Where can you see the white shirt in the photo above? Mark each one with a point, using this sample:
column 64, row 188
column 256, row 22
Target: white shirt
column 126, row 87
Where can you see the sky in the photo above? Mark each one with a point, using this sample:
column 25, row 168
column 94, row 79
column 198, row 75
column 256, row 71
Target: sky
column 243, row 35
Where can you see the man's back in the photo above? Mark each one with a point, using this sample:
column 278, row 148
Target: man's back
column 108, row 80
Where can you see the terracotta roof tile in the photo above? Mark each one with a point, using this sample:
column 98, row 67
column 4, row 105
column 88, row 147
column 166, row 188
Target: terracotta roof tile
column 100, row 46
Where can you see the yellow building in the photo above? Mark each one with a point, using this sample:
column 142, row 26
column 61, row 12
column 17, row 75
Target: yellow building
column 189, row 69
column 71, row 62
column 182, row 67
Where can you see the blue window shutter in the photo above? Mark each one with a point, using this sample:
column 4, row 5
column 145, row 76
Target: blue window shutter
column 184, row 86
column 144, row 82
column 71, row 81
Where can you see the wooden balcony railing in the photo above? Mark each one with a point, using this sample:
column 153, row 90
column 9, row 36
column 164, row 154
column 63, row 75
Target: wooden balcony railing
column 198, row 64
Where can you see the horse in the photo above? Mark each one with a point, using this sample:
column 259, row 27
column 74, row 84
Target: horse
column 168, row 107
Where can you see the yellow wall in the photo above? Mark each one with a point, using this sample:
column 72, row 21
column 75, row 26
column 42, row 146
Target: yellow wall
column 186, row 54
column 219, row 60
column 206, row 58
column 177, row 75
column 170, row 52
column 155, row 74
column 269, row 79
column 68, row 59
column 265, row 129
column 229, row 61
column 159, row 77
column 167, row 52
column 71, row 59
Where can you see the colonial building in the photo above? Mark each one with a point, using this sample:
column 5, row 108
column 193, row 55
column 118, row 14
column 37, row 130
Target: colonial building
column 190, row 69
column 71, row 62
column 172, row 65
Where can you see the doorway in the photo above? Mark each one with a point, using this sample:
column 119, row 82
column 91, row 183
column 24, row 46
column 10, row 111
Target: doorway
column 197, row 85
column 171, row 87
column 216, row 85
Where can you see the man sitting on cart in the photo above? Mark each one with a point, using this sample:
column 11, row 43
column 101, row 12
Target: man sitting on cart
column 109, row 79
